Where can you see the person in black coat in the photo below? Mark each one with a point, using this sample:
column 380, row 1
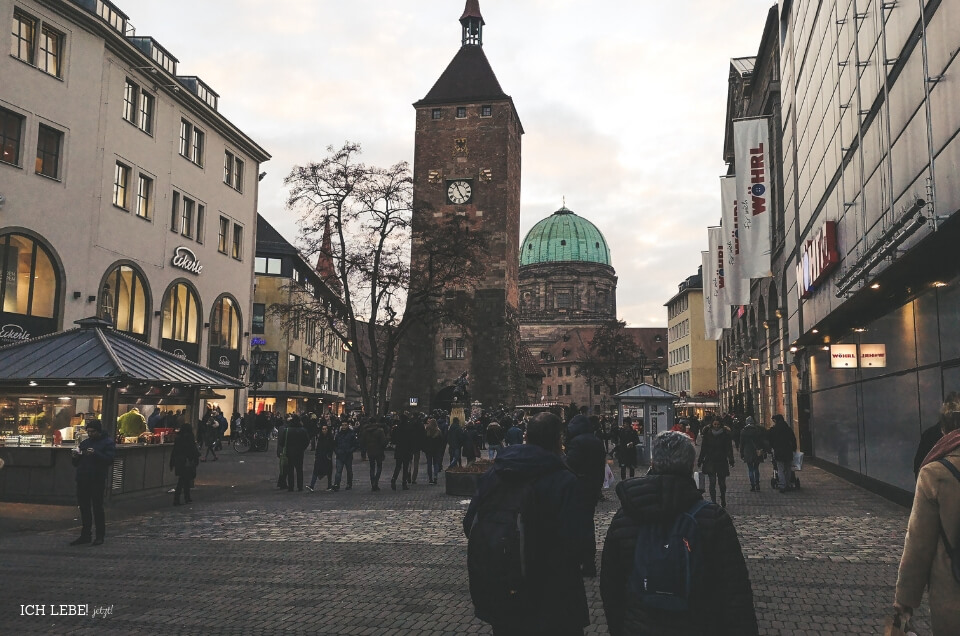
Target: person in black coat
column 294, row 440
column 626, row 449
column 587, row 459
column 418, row 433
column 183, row 461
column 323, row 457
column 716, row 451
column 344, row 445
column 374, row 439
column 558, row 532
column 92, row 459
column 402, row 437
column 784, row 444
column 721, row 597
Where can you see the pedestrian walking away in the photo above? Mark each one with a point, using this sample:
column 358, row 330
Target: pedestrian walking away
column 701, row 586
column 183, row 462
column 375, row 441
column 587, row 459
column 402, row 438
column 295, row 439
column 716, row 451
column 753, row 449
column 784, row 444
column 433, row 449
column 92, row 459
column 454, row 439
column 323, row 458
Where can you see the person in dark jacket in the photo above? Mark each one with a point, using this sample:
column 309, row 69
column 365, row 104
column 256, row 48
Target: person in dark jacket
column 716, row 451
column 514, row 434
column 312, row 425
column 323, row 458
column 784, row 444
column 454, row 439
column 375, row 441
column 558, row 531
column 294, row 439
column 626, row 449
column 494, row 438
column 928, row 439
column 183, row 461
column 345, row 444
column 417, row 434
column 433, row 449
column 92, row 458
column 587, row 459
column 402, row 437
column 753, row 448
column 721, row 599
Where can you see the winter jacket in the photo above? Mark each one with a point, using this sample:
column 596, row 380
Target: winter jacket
column 783, row 442
column 716, row 451
column 95, row 464
column 402, row 438
column 753, row 443
column 586, row 456
column 721, row 599
column 345, row 443
column 558, row 531
column 494, row 434
column 455, row 437
column 626, row 450
column 433, row 446
column 513, row 436
column 375, row 441
column 418, row 433
column 184, row 454
column 925, row 562
column 131, row 423
column 295, row 439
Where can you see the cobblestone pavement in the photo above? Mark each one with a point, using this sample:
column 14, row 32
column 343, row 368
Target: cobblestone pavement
column 245, row 558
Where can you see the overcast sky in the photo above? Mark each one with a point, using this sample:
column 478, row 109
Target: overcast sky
column 622, row 102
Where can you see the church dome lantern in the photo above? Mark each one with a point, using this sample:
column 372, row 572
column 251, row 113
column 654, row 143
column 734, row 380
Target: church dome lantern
column 564, row 237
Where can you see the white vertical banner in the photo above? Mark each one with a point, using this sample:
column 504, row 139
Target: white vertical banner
column 718, row 281
column 710, row 329
column 751, row 147
column 737, row 287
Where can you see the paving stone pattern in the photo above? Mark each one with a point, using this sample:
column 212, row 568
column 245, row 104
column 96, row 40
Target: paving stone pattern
column 246, row 558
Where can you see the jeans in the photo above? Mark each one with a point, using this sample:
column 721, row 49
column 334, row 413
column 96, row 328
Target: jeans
column 183, row 486
column 786, row 475
column 316, row 475
column 434, row 466
column 714, row 478
column 404, row 465
column 341, row 462
column 415, row 467
column 753, row 472
column 295, row 465
column 492, row 450
column 623, row 471
column 376, row 467
column 90, row 499
column 454, row 457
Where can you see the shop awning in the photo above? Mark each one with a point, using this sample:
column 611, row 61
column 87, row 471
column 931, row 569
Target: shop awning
column 95, row 353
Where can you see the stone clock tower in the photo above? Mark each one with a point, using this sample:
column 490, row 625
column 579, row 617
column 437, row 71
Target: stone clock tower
column 467, row 163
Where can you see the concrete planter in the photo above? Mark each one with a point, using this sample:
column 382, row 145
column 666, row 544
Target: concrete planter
column 461, row 484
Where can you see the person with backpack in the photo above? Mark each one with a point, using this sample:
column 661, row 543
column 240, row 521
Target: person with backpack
column 528, row 527
column 931, row 551
column 587, row 459
column 716, row 451
column 672, row 562
column 753, row 449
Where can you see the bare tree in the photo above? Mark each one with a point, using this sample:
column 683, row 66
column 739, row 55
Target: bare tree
column 611, row 357
column 369, row 210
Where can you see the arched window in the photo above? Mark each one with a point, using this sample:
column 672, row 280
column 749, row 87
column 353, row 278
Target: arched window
column 124, row 301
column 225, row 324
column 180, row 322
column 30, row 288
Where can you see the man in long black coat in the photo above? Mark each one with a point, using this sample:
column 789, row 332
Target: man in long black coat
column 295, row 439
column 586, row 458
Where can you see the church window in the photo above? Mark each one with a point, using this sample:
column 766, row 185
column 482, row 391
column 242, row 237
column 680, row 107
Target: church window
column 461, row 112
column 460, row 349
column 448, row 348
column 437, row 113
column 486, row 111
column 598, row 245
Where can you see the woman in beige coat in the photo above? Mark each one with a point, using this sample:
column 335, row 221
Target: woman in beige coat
column 925, row 562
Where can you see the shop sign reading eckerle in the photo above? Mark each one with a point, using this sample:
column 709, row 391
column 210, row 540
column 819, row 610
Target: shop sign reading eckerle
column 185, row 259
column 843, row 356
column 873, row 355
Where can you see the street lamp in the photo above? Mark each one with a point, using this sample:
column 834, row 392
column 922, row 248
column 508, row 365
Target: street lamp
column 256, row 371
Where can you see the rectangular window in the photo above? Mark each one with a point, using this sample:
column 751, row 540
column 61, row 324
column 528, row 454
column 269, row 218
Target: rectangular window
column 448, row 348
column 486, row 111
column 185, row 132
column 223, row 237
column 186, row 218
column 175, row 213
column 145, row 197
column 238, row 175
column 460, row 349
column 568, row 370
column 259, row 317
column 264, row 265
column 437, row 113
column 293, row 369
column 227, row 167
column 48, row 152
column 549, row 372
column 568, row 389
column 196, row 148
column 549, row 391
column 145, row 119
column 564, row 301
column 461, row 112
column 11, row 128
column 201, row 213
column 130, row 92
column 121, row 184
column 51, row 43
column 24, row 37
column 237, row 251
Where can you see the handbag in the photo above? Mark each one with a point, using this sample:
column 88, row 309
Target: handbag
column 699, row 478
column 896, row 626
column 607, row 476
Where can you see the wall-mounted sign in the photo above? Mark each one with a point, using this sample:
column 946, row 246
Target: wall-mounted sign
column 185, row 259
column 818, row 258
column 258, row 342
column 14, row 333
column 843, row 356
column 873, row 355
column 414, row 401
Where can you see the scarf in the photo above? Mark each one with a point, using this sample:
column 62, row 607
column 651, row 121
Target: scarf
column 947, row 444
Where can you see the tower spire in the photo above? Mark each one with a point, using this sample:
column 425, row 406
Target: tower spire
column 325, row 268
column 472, row 22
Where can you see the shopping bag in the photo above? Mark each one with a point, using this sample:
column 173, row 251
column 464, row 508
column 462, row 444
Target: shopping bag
column 699, row 478
column 896, row 626
column 607, row 476
column 797, row 461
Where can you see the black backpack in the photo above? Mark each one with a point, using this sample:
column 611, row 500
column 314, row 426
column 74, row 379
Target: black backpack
column 951, row 552
column 497, row 553
column 666, row 561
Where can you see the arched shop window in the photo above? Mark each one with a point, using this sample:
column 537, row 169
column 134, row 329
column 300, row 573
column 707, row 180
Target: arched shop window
column 180, row 322
column 225, row 336
column 30, row 288
column 124, row 301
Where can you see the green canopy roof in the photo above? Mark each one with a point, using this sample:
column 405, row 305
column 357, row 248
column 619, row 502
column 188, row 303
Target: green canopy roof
column 561, row 237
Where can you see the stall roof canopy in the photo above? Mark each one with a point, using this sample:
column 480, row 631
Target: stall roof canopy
column 95, row 353
column 646, row 391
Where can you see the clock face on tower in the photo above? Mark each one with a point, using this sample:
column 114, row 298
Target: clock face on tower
column 459, row 192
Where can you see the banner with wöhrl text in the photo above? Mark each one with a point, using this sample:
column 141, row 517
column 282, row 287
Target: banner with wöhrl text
column 736, row 286
column 710, row 329
column 751, row 149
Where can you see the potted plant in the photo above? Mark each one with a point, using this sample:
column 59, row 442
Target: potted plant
column 462, row 480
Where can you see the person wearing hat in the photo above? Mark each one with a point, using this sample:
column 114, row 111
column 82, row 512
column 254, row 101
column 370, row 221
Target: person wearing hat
column 92, row 457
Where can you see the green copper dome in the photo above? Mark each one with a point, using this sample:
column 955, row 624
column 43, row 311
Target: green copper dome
column 564, row 236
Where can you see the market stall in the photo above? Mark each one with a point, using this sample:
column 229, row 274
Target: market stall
column 49, row 386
